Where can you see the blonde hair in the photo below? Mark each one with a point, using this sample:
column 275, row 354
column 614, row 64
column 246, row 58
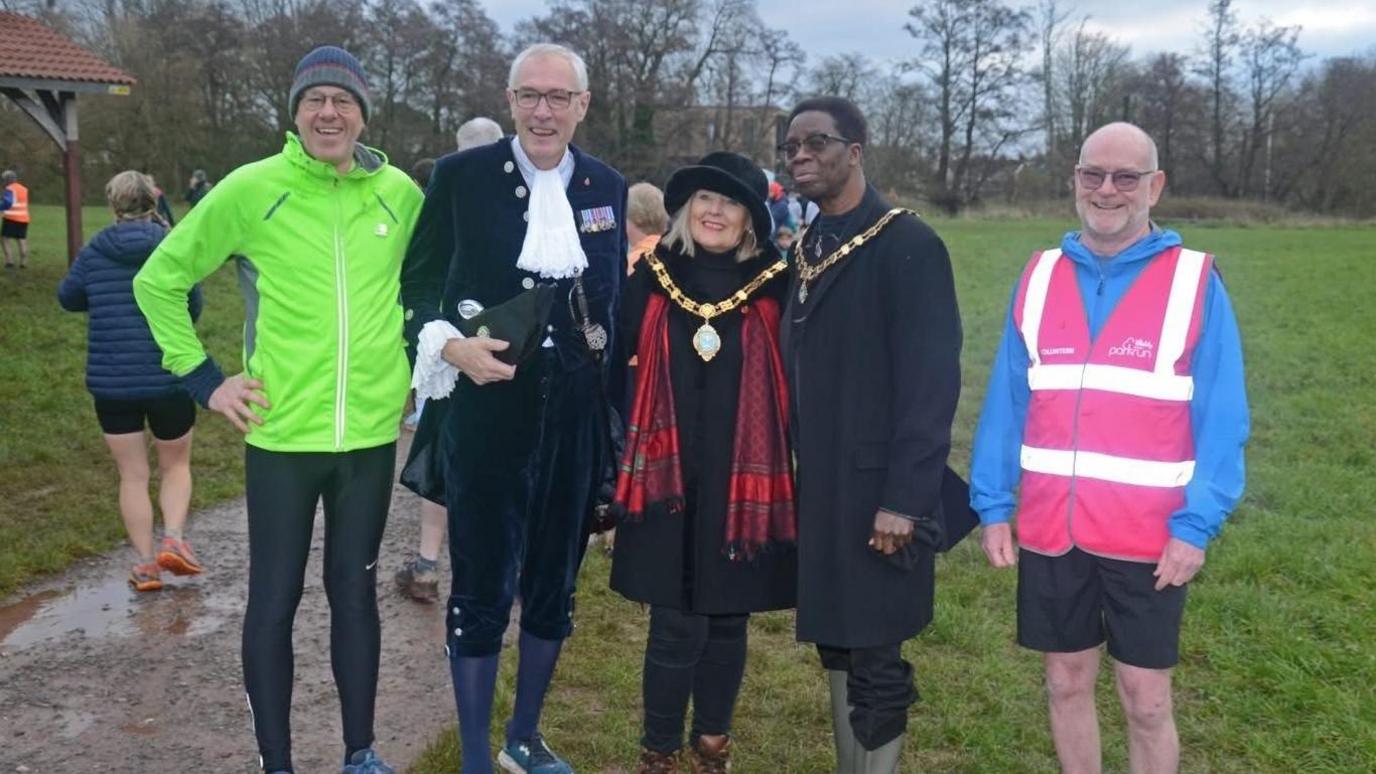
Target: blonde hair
column 645, row 208
column 132, row 195
column 680, row 236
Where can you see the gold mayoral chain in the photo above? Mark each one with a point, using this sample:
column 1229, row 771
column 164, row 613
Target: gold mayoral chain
column 808, row 272
column 707, row 341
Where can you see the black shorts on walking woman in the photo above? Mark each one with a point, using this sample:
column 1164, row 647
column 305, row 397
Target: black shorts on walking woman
column 168, row 417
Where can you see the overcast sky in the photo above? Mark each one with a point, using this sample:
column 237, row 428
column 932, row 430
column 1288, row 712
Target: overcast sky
column 875, row 27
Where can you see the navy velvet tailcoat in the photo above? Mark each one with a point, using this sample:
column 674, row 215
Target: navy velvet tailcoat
column 524, row 457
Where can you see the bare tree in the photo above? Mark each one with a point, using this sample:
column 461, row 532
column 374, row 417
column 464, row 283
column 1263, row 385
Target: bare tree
column 843, row 75
column 464, row 68
column 1271, row 59
column 1091, row 67
column 1050, row 27
column 1331, row 154
column 971, row 51
column 1221, row 40
column 396, row 39
column 779, row 56
column 900, row 114
column 1168, row 101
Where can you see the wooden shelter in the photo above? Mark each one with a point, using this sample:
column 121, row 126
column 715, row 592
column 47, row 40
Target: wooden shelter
column 42, row 72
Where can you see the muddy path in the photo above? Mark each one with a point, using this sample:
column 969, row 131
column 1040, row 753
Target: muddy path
column 94, row 678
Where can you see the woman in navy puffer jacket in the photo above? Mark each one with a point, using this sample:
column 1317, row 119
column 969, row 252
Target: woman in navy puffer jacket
column 131, row 389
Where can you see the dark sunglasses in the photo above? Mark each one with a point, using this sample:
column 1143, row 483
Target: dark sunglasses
column 815, row 143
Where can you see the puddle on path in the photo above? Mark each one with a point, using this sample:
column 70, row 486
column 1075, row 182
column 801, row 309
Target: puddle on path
column 16, row 615
column 110, row 609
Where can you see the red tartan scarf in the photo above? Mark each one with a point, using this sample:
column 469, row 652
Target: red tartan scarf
column 760, row 511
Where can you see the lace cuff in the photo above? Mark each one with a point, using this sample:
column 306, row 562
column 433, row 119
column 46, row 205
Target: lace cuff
column 434, row 376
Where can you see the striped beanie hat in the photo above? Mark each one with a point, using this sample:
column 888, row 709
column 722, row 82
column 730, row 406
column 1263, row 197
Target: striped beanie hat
column 330, row 66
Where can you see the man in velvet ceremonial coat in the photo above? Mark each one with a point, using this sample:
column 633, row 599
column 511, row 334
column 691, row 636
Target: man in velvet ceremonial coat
column 871, row 340
column 527, row 445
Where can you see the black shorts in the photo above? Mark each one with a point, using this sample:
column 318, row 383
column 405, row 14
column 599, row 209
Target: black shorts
column 1074, row 602
column 169, row 417
column 13, row 229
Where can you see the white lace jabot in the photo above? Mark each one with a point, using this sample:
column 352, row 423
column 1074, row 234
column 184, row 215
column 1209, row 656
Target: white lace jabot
column 551, row 248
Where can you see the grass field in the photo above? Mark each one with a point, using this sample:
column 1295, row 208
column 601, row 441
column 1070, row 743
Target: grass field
column 1278, row 669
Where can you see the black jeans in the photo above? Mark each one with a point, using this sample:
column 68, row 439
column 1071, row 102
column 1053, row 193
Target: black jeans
column 282, row 490
column 879, row 686
column 702, row 656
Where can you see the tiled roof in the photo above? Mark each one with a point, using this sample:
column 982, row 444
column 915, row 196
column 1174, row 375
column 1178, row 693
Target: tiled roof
column 31, row 49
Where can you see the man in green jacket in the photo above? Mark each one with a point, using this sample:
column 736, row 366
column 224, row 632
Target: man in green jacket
column 318, row 233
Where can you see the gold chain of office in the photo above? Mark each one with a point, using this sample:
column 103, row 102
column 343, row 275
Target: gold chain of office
column 706, row 341
column 807, row 272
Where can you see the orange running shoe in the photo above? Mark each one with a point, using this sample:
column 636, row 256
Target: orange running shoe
column 176, row 557
column 146, row 577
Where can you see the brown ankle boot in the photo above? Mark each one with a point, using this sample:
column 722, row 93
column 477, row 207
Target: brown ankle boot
column 652, row 762
column 711, row 755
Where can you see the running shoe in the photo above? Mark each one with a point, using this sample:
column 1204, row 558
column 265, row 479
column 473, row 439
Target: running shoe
column 531, row 756
column 365, row 761
column 146, row 577
column 176, row 557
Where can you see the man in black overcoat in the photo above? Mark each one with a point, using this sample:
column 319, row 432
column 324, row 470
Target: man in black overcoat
column 526, row 445
column 872, row 347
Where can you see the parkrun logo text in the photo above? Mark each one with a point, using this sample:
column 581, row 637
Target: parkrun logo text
column 1132, row 347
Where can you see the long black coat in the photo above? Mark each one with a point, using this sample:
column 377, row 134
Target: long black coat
column 874, row 374
column 677, row 561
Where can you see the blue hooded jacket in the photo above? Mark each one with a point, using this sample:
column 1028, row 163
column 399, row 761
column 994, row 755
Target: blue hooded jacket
column 1218, row 410
column 122, row 360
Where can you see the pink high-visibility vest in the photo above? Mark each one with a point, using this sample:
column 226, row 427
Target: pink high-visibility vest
column 1108, row 447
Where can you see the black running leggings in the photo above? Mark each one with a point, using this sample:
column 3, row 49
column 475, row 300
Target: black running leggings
column 283, row 489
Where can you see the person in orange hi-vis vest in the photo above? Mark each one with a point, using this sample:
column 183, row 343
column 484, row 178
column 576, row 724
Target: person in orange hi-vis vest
column 14, row 206
column 1112, row 436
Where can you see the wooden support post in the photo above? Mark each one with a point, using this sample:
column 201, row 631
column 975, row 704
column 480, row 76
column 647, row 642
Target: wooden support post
column 71, row 164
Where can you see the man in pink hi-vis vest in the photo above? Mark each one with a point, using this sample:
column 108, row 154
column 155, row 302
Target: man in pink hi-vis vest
column 1112, row 436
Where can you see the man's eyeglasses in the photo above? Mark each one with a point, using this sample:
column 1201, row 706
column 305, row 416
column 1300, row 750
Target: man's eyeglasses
column 1124, row 180
column 815, row 143
column 557, row 99
column 344, row 103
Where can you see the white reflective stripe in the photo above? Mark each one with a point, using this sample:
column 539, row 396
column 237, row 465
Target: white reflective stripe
column 1179, row 310
column 1107, row 378
column 1105, row 467
column 1035, row 302
column 1055, row 377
